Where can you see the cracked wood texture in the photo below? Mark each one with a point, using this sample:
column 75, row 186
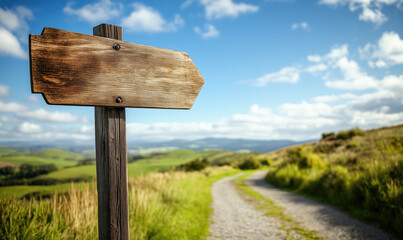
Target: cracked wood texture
column 111, row 162
column 77, row 69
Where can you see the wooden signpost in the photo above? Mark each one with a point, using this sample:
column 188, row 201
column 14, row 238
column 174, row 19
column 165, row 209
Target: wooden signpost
column 103, row 71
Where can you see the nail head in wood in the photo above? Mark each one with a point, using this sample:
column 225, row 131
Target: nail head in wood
column 116, row 46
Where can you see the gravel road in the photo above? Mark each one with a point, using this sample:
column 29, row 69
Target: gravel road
column 327, row 221
column 235, row 218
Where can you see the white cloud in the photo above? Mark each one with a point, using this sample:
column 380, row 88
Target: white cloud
column 33, row 98
column 12, row 107
column 354, row 77
column 215, row 9
column 314, row 58
column 336, row 53
column 370, row 9
column 146, row 19
column 27, row 127
column 210, row 31
column 29, row 132
column 387, row 52
column 9, row 45
column 12, row 23
column 9, row 19
column 46, row 116
column 4, row 91
column 372, row 15
column 301, row 25
column 316, row 68
column 334, row 98
column 286, row 74
column 15, row 20
column 87, row 129
column 95, row 13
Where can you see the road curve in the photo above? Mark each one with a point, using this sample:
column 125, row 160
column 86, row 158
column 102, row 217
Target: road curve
column 325, row 220
column 234, row 218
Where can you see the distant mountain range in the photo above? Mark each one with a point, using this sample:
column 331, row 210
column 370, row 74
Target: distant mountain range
column 219, row 143
column 145, row 147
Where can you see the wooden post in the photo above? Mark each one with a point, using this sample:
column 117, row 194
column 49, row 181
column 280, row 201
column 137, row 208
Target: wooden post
column 111, row 161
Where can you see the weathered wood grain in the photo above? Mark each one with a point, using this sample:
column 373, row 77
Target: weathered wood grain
column 77, row 69
column 111, row 162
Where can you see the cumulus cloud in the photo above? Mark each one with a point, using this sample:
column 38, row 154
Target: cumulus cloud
column 4, row 91
column 353, row 77
column 301, row 25
column 29, row 132
column 47, row 116
column 334, row 98
column 370, row 9
column 210, row 31
column 9, row 45
column 27, row 127
column 286, row 74
column 316, row 68
column 387, row 52
column 147, row 19
column 12, row 107
column 96, row 12
column 12, row 24
column 216, row 9
column 87, row 129
column 22, row 111
column 15, row 20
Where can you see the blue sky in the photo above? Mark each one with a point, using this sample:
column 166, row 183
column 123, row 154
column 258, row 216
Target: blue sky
column 272, row 69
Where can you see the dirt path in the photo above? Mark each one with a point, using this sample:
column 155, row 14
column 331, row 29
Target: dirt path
column 235, row 218
column 327, row 221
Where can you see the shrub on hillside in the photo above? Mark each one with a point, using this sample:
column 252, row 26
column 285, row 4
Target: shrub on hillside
column 249, row 163
column 326, row 146
column 352, row 144
column 266, row 162
column 195, row 165
column 30, row 171
column 87, row 161
column 327, row 135
column 344, row 135
column 305, row 159
column 7, row 170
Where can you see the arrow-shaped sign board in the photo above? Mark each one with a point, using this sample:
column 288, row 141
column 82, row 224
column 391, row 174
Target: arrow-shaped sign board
column 76, row 69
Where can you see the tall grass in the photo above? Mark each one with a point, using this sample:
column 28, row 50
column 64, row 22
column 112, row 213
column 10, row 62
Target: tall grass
column 172, row 205
column 362, row 175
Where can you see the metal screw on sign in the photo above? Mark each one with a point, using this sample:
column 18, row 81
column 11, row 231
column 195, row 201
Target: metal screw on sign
column 85, row 76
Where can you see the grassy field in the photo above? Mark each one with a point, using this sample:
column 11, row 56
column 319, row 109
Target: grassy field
column 359, row 172
column 5, row 151
column 173, row 205
column 68, row 170
column 60, row 158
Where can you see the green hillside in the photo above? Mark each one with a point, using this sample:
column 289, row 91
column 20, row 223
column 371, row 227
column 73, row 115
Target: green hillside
column 148, row 163
column 139, row 165
column 61, row 159
column 58, row 154
column 33, row 160
column 6, row 151
column 358, row 171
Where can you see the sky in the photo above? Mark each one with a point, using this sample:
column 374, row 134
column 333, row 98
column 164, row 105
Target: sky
column 273, row 69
